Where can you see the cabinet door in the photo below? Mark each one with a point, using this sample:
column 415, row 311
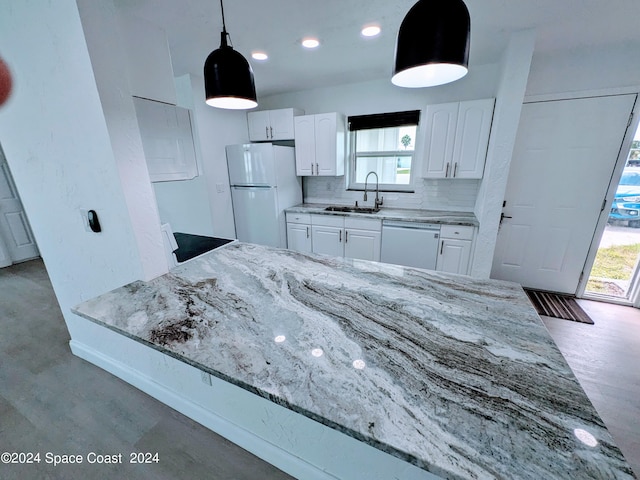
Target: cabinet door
column 281, row 127
column 362, row 244
column 305, row 145
column 439, row 140
column 299, row 237
column 326, row 143
column 167, row 140
column 327, row 240
column 454, row 256
column 258, row 123
column 472, row 138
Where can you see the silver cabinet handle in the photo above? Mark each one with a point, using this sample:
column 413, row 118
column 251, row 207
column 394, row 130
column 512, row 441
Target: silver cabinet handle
column 441, row 246
column 340, row 236
column 271, row 129
column 455, row 169
column 266, row 132
column 346, row 238
column 317, row 170
column 307, row 232
column 312, row 169
column 446, row 173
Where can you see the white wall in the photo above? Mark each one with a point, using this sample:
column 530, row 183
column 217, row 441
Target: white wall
column 571, row 72
column 379, row 96
column 57, row 143
column 215, row 129
column 104, row 40
column 185, row 203
column 202, row 206
column 513, row 81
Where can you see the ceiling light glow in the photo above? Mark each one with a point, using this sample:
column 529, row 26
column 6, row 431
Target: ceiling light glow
column 370, row 31
column 259, row 56
column 310, row 43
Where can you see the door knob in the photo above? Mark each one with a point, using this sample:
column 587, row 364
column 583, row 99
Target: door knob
column 503, row 216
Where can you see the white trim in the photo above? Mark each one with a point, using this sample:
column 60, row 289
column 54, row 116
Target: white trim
column 602, row 92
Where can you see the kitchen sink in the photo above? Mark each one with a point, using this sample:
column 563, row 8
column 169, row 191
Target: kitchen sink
column 344, row 208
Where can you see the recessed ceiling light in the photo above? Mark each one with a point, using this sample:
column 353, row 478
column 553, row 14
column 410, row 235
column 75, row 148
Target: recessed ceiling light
column 259, row 56
column 310, row 42
column 370, row 31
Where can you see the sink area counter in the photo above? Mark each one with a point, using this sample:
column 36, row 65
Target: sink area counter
column 457, row 376
column 404, row 214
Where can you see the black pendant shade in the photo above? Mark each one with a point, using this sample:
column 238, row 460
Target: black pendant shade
column 432, row 47
column 228, row 77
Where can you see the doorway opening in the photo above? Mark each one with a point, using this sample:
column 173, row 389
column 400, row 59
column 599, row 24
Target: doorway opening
column 614, row 275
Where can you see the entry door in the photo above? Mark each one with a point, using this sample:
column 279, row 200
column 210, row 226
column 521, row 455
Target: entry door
column 564, row 156
column 15, row 233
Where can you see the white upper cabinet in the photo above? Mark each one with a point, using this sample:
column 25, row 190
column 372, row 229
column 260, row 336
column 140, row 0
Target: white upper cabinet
column 456, row 139
column 268, row 125
column 320, row 144
column 167, row 140
column 439, row 139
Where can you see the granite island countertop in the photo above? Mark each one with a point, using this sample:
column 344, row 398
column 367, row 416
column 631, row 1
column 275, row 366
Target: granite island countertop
column 455, row 375
column 399, row 214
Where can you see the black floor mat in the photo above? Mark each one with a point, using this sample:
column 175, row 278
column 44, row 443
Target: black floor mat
column 558, row 306
column 190, row 245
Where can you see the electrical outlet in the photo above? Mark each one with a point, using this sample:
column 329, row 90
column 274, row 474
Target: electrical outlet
column 206, row 378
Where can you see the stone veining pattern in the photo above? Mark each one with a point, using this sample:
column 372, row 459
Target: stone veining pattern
column 455, row 375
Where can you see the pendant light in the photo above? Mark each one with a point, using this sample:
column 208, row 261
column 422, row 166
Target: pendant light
column 228, row 77
column 432, row 47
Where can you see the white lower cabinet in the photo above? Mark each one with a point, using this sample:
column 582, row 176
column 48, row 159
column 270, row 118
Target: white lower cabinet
column 299, row 232
column 327, row 240
column 346, row 236
column 362, row 244
column 455, row 249
column 335, row 235
column 360, row 238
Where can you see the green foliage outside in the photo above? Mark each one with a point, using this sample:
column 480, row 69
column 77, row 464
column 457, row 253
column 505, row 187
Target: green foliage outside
column 612, row 263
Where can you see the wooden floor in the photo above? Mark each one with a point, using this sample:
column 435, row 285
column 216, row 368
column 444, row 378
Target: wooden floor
column 52, row 401
column 606, row 359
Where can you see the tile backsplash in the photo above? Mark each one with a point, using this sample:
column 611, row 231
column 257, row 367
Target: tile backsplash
column 430, row 194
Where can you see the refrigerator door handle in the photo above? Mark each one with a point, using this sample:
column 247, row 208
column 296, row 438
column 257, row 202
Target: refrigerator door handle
column 252, row 186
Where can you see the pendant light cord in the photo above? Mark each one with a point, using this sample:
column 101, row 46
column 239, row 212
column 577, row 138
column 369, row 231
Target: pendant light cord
column 224, row 27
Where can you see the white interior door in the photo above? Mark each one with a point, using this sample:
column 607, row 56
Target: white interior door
column 16, row 240
column 564, row 156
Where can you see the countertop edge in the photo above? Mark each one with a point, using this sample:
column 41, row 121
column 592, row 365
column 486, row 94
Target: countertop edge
column 443, row 217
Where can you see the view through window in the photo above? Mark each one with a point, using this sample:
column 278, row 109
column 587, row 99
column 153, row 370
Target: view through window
column 615, row 270
column 384, row 144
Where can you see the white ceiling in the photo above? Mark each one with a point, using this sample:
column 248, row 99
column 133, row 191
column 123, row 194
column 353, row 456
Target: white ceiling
column 277, row 26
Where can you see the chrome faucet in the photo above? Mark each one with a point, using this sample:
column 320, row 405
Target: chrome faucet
column 378, row 202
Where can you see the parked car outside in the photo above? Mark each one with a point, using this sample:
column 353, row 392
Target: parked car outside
column 626, row 204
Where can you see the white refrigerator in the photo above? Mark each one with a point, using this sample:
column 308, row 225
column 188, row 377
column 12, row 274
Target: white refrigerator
column 263, row 184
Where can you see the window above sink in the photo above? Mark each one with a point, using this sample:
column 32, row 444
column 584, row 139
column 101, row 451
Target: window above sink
column 385, row 144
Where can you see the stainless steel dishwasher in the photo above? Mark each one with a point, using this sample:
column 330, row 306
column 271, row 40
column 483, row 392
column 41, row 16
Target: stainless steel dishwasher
column 413, row 244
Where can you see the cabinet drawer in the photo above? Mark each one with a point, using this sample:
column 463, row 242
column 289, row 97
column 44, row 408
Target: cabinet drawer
column 363, row 223
column 298, row 218
column 328, row 220
column 462, row 232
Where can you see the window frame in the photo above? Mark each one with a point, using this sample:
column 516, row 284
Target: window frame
column 378, row 121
